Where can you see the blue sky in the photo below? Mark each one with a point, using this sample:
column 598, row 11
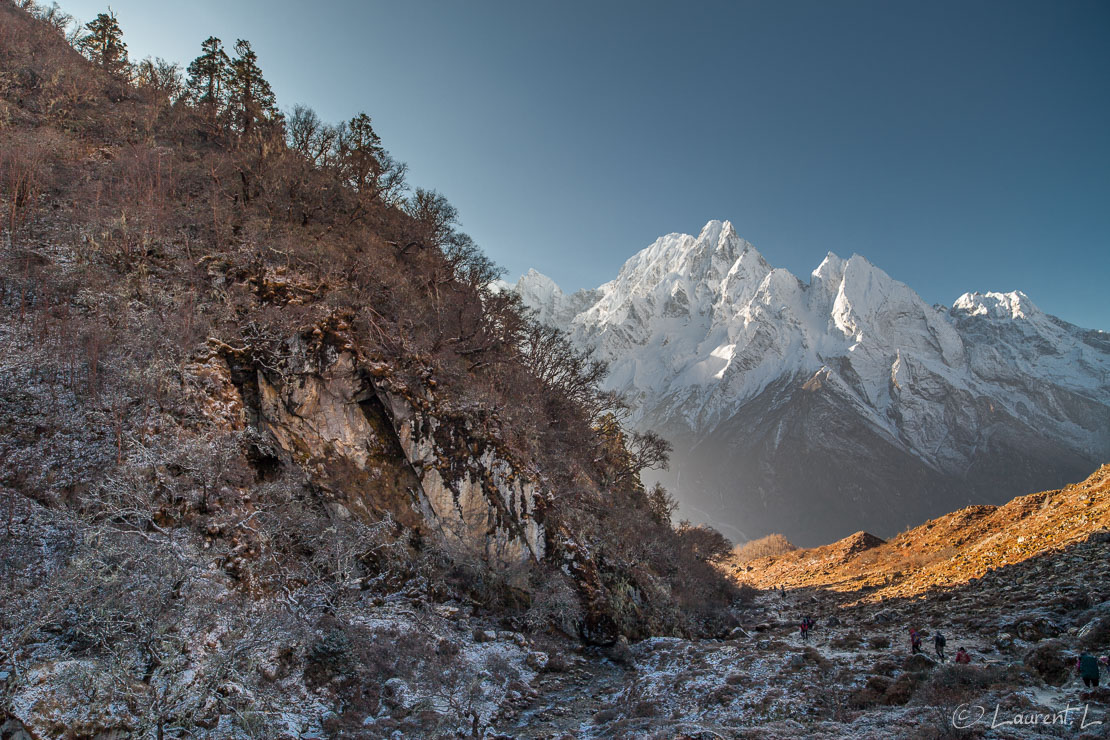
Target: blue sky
column 958, row 145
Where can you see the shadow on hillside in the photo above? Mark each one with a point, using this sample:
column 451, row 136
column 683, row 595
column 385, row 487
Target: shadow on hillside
column 1040, row 612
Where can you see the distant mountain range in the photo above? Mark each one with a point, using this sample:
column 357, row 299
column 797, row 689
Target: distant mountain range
column 818, row 409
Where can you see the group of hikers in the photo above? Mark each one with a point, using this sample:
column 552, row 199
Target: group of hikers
column 1087, row 666
column 939, row 641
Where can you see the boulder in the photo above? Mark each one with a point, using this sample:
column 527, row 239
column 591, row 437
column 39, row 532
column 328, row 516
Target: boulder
column 1051, row 661
column 13, row 729
column 557, row 663
column 1035, row 628
column 537, row 660
column 621, row 652
column 1095, row 635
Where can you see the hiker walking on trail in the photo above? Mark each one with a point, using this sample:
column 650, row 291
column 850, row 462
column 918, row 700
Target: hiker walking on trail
column 807, row 625
column 963, row 657
column 915, row 641
column 939, row 643
column 1086, row 665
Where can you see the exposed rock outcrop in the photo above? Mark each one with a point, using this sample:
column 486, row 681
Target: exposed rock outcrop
column 378, row 448
column 472, row 495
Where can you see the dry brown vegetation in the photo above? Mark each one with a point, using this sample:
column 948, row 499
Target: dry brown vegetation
column 764, row 547
column 149, row 239
column 145, row 231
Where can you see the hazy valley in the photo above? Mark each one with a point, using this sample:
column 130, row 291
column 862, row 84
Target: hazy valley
column 817, row 409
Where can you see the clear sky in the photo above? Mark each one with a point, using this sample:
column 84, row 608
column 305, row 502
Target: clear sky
column 958, row 145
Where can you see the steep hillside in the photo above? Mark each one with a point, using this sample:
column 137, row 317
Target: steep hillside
column 267, row 439
column 816, row 409
column 946, row 552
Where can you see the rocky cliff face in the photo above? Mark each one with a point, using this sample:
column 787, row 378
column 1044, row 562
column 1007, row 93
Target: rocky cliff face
column 377, row 448
column 817, row 408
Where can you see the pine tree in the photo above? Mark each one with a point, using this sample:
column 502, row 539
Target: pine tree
column 360, row 151
column 103, row 43
column 365, row 164
column 251, row 99
column 208, row 75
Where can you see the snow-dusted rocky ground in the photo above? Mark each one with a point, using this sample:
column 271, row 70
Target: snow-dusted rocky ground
column 399, row 665
column 854, row 677
column 846, row 396
column 221, row 666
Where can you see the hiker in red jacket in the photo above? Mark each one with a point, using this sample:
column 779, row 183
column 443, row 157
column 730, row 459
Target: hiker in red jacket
column 963, row 657
column 915, row 642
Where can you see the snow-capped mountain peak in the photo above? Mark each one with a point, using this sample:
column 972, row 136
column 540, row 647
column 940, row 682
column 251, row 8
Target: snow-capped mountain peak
column 541, row 293
column 701, row 332
column 676, row 261
column 1013, row 305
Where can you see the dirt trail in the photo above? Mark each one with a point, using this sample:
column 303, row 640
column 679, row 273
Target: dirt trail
column 566, row 702
column 761, row 684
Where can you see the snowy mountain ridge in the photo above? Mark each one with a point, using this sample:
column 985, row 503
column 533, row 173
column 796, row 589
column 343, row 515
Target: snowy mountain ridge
column 696, row 329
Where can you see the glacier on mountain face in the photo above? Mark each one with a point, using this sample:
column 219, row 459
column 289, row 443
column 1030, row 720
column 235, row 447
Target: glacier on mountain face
column 850, row 385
